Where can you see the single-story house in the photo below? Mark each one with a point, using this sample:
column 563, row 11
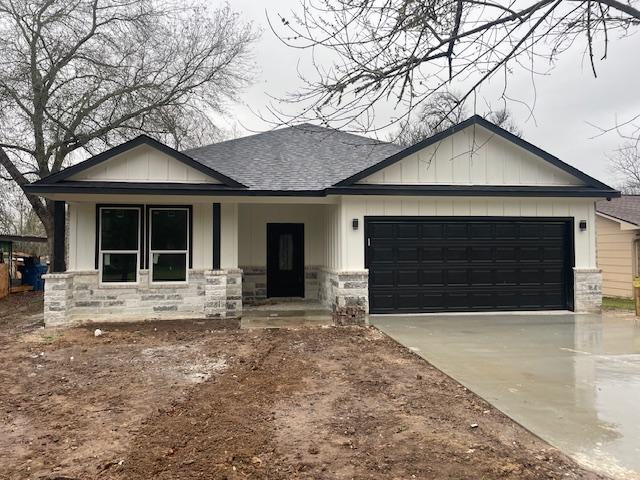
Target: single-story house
column 618, row 242
column 471, row 219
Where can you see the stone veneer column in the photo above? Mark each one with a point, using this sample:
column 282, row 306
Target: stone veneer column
column 346, row 294
column 58, row 297
column 215, row 292
column 234, row 293
column 223, row 293
column 587, row 290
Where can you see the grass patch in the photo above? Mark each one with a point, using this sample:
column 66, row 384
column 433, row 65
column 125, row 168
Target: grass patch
column 620, row 303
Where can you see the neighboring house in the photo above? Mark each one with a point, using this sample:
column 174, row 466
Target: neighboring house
column 471, row 219
column 618, row 237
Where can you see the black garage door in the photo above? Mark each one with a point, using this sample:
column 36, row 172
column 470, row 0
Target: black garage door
column 436, row 264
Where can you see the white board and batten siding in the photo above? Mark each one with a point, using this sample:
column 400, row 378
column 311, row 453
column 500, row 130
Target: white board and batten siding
column 143, row 164
column 353, row 244
column 473, row 156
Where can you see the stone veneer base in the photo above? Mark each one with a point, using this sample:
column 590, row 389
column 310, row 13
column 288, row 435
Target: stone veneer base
column 254, row 283
column 346, row 293
column 587, row 290
column 78, row 297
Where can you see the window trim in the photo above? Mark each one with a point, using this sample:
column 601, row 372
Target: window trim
column 150, row 251
column 100, row 251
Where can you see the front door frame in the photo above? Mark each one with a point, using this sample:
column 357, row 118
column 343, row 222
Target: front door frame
column 282, row 284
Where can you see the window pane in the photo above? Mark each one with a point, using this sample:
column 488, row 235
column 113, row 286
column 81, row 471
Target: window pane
column 168, row 230
column 119, row 229
column 169, row 267
column 285, row 256
column 119, row 267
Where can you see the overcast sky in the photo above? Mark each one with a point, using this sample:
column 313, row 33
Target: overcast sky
column 567, row 100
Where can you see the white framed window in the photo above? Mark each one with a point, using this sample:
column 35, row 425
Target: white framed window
column 168, row 244
column 119, row 244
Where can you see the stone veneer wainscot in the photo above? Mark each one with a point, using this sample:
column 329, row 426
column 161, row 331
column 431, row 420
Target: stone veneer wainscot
column 78, row 297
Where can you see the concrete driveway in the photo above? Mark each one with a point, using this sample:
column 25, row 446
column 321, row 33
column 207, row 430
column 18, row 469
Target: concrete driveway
column 574, row 380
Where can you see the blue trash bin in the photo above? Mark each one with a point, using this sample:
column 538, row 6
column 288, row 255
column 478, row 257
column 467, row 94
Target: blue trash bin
column 32, row 275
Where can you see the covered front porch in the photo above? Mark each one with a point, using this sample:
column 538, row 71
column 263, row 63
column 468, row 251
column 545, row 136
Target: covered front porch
column 235, row 256
column 290, row 252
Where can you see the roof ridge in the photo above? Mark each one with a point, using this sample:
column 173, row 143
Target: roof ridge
column 374, row 141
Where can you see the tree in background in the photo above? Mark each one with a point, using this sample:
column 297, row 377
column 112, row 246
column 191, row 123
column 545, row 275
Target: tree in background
column 405, row 51
column 77, row 76
column 441, row 111
column 626, row 163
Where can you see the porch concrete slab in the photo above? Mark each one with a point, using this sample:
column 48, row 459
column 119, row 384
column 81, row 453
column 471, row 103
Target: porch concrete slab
column 289, row 314
column 572, row 379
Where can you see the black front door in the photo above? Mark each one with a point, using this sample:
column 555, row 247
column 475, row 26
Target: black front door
column 285, row 260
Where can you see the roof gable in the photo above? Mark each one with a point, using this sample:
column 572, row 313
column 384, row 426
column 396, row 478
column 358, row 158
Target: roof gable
column 142, row 159
column 557, row 172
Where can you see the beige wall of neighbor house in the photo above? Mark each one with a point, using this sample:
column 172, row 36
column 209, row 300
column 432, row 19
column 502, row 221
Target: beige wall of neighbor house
column 143, row 164
column 473, row 156
column 353, row 244
column 617, row 256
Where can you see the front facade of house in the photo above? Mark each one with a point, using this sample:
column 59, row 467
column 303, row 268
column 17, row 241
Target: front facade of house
column 472, row 219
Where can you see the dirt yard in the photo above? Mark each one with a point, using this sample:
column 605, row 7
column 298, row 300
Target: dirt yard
column 187, row 400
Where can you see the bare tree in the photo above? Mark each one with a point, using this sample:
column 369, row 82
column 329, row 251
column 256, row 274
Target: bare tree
column 406, row 50
column 626, row 163
column 441, row 111
column 79, row 75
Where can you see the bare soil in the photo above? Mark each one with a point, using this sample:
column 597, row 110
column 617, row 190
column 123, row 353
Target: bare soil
column 195, row 399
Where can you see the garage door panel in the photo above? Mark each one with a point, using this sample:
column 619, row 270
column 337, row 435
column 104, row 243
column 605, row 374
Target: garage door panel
column 456, row 231
column 482, row 277
column 408, row 278
column 431, row 277
column 408, row 254
column 408, row 230
column 456, row 254
column 456, row 277
column 481, row 231
column 382, row 278
column 432, row 254
column 427, row 264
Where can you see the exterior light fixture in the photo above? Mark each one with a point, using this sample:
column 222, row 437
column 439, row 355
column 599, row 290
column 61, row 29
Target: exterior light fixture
column 583, row 225
column 354, row 223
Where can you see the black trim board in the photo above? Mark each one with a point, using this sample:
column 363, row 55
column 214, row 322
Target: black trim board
column 59, row 250
column 141, row 140
column 115, row 188
column 216, row 236
column 476, row 120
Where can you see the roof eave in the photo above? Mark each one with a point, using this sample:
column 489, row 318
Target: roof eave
column 130, row 188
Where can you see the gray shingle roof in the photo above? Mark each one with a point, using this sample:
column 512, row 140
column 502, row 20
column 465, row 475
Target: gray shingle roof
column 626, row 208
column 304, row 157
